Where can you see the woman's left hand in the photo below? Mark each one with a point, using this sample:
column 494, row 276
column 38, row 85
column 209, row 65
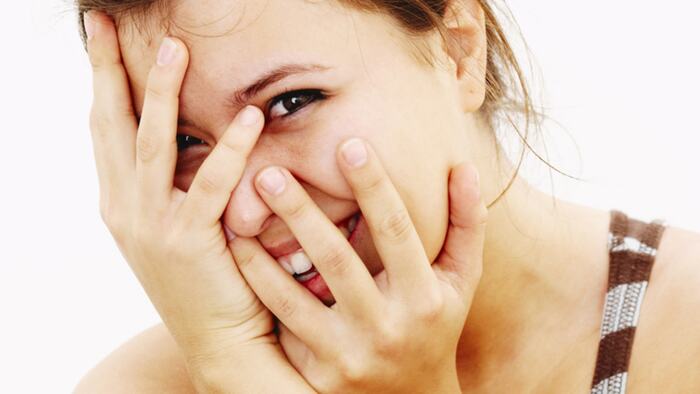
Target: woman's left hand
column 397, row 332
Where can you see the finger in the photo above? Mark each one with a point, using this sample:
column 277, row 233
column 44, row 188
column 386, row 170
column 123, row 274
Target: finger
column 325, row 245
column 156, row 143
column 216, row 178
column 298, row 354
column 112, row 120
column 292, row 304
column 460, row 261
column 390, row 224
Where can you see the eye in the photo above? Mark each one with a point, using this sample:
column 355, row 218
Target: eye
column 291, row 102
column 185, row 141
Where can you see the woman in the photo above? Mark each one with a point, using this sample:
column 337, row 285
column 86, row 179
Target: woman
column 353, row 134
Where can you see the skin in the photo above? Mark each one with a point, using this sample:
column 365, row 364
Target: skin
column 534, row 321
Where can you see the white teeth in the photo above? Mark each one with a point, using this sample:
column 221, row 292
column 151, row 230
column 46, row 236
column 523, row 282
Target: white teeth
column 284, row 262
column 352, row 223
column 300, row 262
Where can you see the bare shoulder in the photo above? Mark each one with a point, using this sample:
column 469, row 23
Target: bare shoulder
column 667, row 346
column 150, row 362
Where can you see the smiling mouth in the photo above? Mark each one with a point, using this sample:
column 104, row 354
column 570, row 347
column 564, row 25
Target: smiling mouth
column 298, row 263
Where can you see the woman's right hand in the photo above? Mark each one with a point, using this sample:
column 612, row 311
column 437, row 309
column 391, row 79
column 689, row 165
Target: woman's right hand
column 174, row 241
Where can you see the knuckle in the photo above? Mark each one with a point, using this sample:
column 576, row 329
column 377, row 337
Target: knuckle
column 335, row 260
column 146, row 146
column 430, row 307
column 103, row 58
column 99, row 123
column 112, row 219
column 109, row 108
column 296, row 209
column 396, row 226
column 157, row 87
column 475, row 218
column 389, row 341
column 97, row 61
column 106, row 214
column 284, row 307
column 207, row 183
column 104, row 122
column 351, row 369
column 155, row 92
column 372, row 185
column 243, row 258
column 233, row 146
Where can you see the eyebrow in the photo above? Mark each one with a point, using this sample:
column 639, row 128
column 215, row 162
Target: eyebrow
column 241, row 96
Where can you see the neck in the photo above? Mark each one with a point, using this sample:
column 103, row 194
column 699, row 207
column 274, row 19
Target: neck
column 542, row 287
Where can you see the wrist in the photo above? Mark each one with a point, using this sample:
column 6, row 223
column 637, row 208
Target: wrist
column 255, row 369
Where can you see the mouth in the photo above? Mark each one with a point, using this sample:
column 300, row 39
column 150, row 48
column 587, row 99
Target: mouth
column 298, row 264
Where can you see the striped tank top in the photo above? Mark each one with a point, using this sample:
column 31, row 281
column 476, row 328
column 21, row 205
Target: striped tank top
column 632, row 247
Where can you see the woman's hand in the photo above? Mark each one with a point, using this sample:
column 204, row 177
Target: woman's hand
column 174, row 241
column 396, row 333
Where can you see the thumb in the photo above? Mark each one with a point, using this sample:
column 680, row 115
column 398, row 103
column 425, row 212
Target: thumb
column 460, row 261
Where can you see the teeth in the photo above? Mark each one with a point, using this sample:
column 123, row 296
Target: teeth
column 286, row 264
column 300, row 262
column 352, row 223
column 305, row 277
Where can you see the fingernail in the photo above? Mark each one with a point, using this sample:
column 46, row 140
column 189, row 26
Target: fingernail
column 89, row 23
column 273, row 181
column 166, row 52
column 249, row 116
column 230, row 236
column 354, row 153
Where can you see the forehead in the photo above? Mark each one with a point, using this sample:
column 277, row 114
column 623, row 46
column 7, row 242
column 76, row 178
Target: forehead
column 231, row 41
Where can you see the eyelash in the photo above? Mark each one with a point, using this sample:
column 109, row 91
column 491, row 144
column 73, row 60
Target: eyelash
column 185, row 141
column 314, row 94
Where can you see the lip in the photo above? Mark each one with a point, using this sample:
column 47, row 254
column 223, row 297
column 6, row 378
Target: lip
column 283, row 248
column 291, row 245
column 316, row 284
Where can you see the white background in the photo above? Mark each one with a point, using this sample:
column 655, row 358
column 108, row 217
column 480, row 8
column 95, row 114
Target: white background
column 620, row 78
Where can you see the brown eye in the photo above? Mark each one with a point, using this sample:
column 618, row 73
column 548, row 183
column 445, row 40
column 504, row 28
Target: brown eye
column 185, row 141
column 292, row 102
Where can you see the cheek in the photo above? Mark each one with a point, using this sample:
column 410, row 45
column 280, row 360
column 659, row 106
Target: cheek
column 427, row 202
column 421, row 178
column 416, row 150
column 413, row 154
column 312, row 151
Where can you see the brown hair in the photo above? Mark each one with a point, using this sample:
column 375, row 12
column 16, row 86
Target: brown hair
column 507, row 93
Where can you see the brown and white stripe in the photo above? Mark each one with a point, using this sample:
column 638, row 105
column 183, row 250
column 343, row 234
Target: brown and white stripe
column 632, row 246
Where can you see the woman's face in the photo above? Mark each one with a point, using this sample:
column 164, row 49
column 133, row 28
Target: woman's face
column 336, row 73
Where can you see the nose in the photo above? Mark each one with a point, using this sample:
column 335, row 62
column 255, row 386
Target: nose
column 247, row 215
